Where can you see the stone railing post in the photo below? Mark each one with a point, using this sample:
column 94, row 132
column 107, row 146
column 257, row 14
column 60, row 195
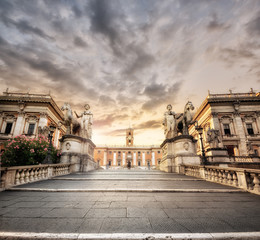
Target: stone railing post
column 241, row 178
column 12, row 176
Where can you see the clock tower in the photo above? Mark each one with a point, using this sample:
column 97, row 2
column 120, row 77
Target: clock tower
column 129, row 137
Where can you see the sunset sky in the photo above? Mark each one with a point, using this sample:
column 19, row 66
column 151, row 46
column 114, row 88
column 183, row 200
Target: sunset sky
column 129, row 59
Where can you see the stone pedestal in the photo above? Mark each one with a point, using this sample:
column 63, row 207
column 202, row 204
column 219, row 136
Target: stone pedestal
column 217, row 155
column 176, row 151
column 79, row 152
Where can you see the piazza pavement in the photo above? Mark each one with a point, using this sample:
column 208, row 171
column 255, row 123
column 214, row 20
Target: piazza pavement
column 128, row 204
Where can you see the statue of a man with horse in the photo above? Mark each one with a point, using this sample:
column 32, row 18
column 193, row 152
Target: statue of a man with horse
column 175, row 124
column 82, row 129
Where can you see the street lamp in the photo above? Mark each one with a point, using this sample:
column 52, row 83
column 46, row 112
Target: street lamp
column 47, row 159
column 200, row 132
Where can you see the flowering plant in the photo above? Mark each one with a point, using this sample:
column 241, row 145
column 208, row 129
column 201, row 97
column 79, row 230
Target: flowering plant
column 27, row 151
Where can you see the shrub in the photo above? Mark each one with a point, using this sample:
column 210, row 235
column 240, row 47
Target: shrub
column 27, row 151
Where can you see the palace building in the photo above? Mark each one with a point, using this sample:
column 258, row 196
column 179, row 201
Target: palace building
column 236, row 116
column 28, row 114
column 128, row 154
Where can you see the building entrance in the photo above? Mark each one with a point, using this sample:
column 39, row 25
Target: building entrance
column 129, row 164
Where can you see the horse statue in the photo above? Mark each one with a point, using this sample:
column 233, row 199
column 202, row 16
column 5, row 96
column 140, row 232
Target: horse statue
column 186, row 121
column 73, row 126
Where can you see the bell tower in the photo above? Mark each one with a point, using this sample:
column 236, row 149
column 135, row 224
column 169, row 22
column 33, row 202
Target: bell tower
column 129, row 137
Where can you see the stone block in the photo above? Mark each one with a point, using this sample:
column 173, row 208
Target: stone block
column 177, row 151
column 79, row 152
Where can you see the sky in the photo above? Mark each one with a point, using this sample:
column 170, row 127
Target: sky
column 129, row 58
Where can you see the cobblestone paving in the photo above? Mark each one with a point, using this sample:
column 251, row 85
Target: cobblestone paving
column 128, row 212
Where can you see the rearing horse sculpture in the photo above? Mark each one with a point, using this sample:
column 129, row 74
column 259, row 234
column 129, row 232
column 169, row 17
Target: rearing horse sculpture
column 186, row 121
column 73, row 126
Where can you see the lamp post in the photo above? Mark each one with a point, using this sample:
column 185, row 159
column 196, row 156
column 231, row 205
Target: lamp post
column 200, row 132
column 47, row 159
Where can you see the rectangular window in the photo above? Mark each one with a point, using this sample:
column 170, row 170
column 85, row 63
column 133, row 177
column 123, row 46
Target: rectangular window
column 159, row 152
column 226, row 129
column 250, row 129
column 8, row 128
column 31, row 129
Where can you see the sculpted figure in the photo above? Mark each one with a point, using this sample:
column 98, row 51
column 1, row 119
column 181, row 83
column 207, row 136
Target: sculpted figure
column 86, row 122
column 169, row 123
column 213, row 138
column 72, row 125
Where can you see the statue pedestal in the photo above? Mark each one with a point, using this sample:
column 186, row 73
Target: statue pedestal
column 177, row 151
column 79, row 152
column 217, row 155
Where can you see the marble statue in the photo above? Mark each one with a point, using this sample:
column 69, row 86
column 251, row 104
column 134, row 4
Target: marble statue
column 72, row 125
column 213, row 138
column 169, row 123
column 186, row 121
column 86, row 122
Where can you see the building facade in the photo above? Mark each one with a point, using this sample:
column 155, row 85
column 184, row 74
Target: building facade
column 128, row 155
column 236, row 116
column 28, row 114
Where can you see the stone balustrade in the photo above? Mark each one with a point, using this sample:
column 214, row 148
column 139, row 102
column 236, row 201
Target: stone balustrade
column 248, row 179
column 13, row 176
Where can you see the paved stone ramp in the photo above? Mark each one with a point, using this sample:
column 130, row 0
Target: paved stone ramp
column 128, row 204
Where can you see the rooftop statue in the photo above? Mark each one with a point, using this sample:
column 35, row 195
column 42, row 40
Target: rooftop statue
column 86, row 122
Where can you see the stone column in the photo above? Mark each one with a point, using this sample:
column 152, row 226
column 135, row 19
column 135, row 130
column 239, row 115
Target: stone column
column 143, row 158
column 258, row 121
column 134, row 163
column 105, row 158
column 19, row 125
column 241, row 134
column 114, row 159
column 57, row 136
column 153, row 158
column 215, row 121
column 123, row 159
column 1, row 120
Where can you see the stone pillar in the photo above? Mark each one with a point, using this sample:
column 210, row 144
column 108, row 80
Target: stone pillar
column 134, row 162
column 177, row 151
column 241, row 134
column 105, row 158
column 1, row 120
column 143, row 158
column 123, row 159
column 153, row 159
column 114, row 159
column 57, row 136
column 79, row 152
column 19, row 125
column 258, row 122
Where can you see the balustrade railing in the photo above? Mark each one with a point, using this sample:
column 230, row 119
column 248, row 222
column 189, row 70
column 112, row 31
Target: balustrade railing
column 248, row 179
column 13, row 176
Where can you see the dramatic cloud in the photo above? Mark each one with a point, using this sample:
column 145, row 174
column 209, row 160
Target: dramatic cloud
column 148, row 125
column 129, row 58
column 253, row 26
